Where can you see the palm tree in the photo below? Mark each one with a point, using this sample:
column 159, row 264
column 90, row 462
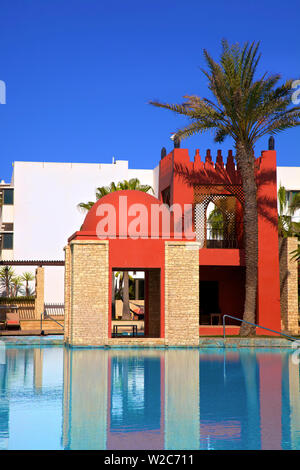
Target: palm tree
column 215, row 222
column 245, row 109
column 286, row 226
column 7, row 274
column 296, row 254
column 123, row 291
column 295, row 203
column 27, row 277
column 17, row 284
column 132, row 184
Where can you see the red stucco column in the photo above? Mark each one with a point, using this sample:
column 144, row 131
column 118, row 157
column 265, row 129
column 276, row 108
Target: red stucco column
column 268, row 296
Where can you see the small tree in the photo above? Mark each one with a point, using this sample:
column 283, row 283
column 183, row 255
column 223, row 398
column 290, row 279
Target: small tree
column 7, row 274
column 286, row 226
column 27, row 277
column 17, row 284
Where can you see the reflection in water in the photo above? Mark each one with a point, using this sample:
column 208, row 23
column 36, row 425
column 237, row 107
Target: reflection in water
column 85, row 399
column 135, row 412
column 182, row 401
column 31, row 398
column 4, row 408
column 149, row 399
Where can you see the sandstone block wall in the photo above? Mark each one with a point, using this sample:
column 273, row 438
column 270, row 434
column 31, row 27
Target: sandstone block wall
column 288, row 285
column 89, row 299
column 67, row 288
column 182, row 293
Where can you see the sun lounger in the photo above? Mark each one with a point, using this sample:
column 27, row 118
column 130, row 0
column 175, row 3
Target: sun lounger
column 12, row 321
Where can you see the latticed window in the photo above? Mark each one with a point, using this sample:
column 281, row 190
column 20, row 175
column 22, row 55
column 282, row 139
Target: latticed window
column 216, row 215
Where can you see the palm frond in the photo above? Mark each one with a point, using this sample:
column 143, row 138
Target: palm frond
column 101, row 191
column 243, row 107
column 295, row 203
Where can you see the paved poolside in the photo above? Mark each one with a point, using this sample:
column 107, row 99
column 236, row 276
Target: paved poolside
column 120, row 343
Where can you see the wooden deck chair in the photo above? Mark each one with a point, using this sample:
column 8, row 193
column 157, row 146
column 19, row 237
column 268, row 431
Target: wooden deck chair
column 13, row 321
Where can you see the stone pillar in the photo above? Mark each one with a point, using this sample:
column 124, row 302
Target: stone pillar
column 182, row 293
column 39, row 292
column 67, row 289
column 288, row 285
column 89, row 296
column 154, row 303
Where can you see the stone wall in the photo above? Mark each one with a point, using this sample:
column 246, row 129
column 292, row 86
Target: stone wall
column 182, row 293
column 89, row 293
column 67, row 291
column 288, row 285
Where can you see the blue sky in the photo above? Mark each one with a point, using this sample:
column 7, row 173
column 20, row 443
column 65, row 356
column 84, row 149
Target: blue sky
column 79, row 73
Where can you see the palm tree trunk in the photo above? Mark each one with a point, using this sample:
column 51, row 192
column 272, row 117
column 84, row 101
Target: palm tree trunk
column 126, row 310
column 245, row 160
column 7, row 284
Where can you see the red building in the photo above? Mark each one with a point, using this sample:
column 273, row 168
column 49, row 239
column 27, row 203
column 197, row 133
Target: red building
column 194, row 273
column 221, row 258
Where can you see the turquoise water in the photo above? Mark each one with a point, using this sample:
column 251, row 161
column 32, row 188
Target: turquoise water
column 56, row 398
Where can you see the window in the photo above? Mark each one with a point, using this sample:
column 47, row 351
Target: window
column 7, row 243
column 166, row 196
column 292, row 194
column 8, row 198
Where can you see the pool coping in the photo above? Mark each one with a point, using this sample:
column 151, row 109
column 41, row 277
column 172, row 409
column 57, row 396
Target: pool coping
column 204, row 342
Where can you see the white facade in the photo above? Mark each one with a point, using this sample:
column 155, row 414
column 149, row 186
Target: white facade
column 289, row 177
column 44, row 212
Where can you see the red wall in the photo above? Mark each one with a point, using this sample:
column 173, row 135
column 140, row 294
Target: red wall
column 268, row 295
column 231, row 288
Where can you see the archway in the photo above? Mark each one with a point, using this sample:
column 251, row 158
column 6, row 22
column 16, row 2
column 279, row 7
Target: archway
column 125, row 231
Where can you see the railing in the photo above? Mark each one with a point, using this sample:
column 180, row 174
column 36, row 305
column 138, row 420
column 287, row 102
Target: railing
column 54, row 310
column 219, row 238
column 25, row 306
column 254, row 324
column 224, row 243
column 49, row 318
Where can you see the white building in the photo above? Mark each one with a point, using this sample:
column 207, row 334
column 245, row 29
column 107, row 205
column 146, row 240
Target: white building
column 39, row 210
column 289, row 177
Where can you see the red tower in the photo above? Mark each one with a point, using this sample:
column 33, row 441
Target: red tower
column 207, row 185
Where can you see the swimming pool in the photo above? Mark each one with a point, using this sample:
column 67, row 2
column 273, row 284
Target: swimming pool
column 56, row 398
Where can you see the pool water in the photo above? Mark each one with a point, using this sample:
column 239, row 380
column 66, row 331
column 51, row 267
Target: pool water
column 56, row 398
